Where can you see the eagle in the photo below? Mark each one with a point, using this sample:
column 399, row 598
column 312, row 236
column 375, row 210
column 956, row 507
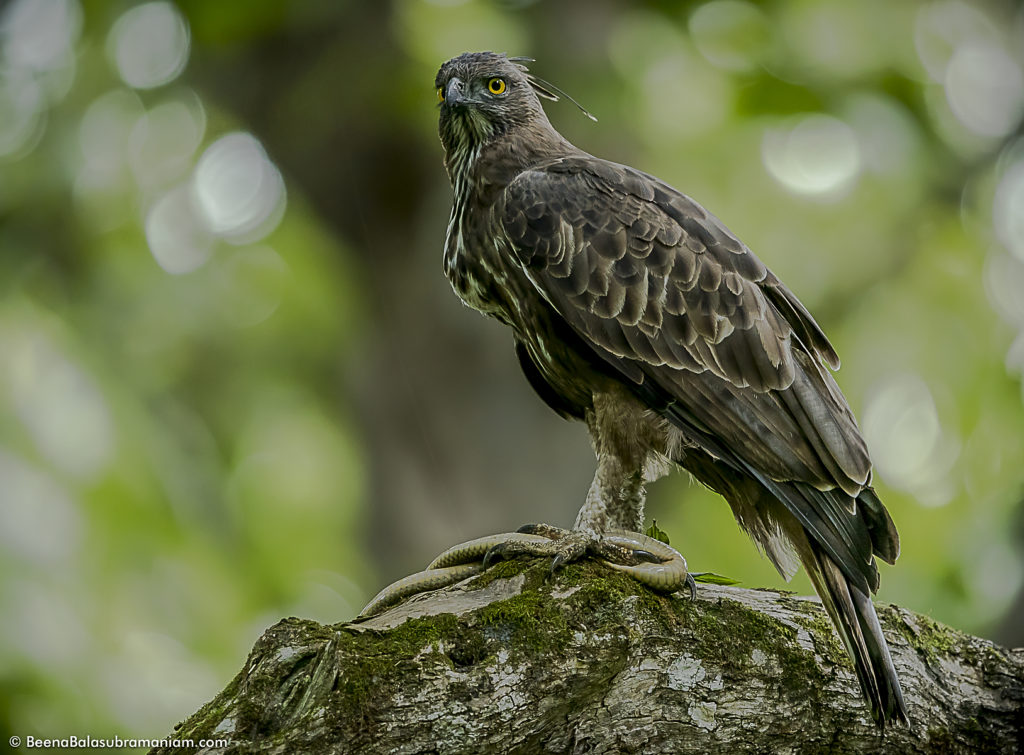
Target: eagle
column 636, row 311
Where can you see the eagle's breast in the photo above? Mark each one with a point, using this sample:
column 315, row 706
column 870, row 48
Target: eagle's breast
column 473, row 265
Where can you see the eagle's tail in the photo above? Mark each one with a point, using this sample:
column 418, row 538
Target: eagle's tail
column 855, row 619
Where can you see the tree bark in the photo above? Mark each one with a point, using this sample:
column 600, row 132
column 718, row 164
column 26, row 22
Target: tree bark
column 589, row 661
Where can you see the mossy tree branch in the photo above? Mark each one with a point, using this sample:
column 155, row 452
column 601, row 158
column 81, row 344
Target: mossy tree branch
column 513, row 662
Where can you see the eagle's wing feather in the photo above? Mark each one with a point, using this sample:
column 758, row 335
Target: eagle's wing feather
column 676, row 304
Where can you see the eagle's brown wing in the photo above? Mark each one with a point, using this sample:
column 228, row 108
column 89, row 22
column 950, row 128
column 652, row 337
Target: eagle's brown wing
column 686, row 313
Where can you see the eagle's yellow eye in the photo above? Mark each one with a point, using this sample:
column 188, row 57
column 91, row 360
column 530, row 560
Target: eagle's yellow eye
column 496, row 86
column 440, row 94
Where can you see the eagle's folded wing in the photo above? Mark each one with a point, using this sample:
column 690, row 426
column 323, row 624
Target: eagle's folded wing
column 671, row 300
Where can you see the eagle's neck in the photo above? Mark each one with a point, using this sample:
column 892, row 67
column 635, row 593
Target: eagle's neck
column 491, row 164
column 479, row 170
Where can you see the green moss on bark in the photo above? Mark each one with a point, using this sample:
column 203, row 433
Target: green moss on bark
column 558, row 645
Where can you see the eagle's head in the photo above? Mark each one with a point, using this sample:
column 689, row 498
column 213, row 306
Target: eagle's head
column 483, row 96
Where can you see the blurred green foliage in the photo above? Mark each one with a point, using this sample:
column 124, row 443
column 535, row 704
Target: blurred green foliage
column 203, row 208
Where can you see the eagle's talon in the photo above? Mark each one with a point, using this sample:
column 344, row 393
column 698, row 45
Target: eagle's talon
column 646, row 556
column 556, row 563
column 549, row 531
column 494, row 553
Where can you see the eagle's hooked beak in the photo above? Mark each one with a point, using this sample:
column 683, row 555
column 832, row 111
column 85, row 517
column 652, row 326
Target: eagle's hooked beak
column 453, row 92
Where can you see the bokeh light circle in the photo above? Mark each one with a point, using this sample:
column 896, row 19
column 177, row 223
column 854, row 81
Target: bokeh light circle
column 985, row 89
column 239, row 190
column 818, row 154
column 149, row 45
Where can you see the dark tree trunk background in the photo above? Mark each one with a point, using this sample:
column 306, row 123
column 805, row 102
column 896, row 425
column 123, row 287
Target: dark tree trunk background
column 591, row 662
column 436, row 379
